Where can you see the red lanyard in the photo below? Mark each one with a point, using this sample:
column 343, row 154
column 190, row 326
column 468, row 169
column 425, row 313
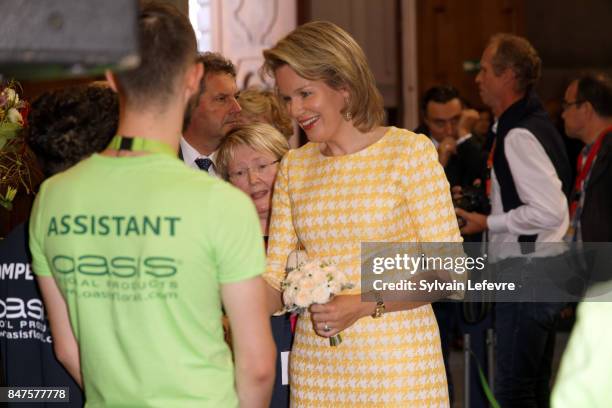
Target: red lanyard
column 583, row 167
column 490, row 168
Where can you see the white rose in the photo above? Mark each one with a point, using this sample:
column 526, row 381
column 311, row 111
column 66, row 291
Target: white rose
column 321, row 294
column 319, row 279
column 14, row 116
column 310, row 267
column 307, row 284
column 11, row 96
column 334, row 286
column 295, row 276
column 289, row 296
column 339, row 276
column 302, row 299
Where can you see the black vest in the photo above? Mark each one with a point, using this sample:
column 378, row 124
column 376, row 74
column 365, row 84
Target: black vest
column 528, row 113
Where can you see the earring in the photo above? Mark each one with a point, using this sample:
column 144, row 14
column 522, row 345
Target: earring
column 348, row 115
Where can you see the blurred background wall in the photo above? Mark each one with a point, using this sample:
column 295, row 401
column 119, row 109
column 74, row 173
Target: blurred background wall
column 411, row 44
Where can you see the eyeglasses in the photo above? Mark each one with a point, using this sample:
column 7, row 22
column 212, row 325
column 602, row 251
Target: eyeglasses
column 243, row 174
column 565, row 104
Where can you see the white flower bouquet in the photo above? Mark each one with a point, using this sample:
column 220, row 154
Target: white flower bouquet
column 313, row 282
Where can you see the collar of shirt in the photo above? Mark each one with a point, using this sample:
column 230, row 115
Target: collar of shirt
column 461, row 140
column 190, row 154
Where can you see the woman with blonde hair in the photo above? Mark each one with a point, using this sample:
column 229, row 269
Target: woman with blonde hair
column 355, row 181
column 262, row 106
column 248, row 158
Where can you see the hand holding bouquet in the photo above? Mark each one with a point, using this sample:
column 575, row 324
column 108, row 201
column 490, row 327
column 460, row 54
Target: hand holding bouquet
column 313, row 282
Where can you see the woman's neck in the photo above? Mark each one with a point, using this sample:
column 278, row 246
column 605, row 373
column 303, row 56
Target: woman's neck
column 352, row 141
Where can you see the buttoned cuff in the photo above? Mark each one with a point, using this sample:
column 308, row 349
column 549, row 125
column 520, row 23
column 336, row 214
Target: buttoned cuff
column 497, row 223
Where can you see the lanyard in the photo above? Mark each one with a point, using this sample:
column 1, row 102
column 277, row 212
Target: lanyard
column 583, row 168
column 140, row 144
column 490, row 168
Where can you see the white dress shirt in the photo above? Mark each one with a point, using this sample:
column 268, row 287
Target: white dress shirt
column 545, row 210
column 459, row 141
column 190, row 154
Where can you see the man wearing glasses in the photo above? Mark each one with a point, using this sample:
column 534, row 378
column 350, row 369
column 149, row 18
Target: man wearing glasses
column 587, row 113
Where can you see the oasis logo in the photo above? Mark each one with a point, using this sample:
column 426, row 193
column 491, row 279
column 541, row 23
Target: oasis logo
column 16, row 308
column 119, row 266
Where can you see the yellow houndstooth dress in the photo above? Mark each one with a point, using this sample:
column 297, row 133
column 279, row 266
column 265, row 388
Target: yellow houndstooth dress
column 394, row 190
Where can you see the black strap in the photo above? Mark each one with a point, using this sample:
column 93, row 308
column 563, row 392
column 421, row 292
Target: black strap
column 527, row 243
column 126, row 143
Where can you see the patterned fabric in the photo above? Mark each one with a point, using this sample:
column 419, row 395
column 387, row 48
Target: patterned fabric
column 203, row 163
column 394, row 190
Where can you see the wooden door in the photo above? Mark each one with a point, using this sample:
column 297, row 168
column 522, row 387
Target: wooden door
column 453, row 33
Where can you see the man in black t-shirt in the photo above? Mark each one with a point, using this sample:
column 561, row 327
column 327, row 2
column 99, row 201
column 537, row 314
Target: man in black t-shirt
column 65, row 126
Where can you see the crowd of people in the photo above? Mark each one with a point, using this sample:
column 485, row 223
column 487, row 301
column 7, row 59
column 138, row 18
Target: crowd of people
column 161, row 237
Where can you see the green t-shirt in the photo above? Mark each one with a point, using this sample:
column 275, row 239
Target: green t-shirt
column 584, row 377
column 139, row 247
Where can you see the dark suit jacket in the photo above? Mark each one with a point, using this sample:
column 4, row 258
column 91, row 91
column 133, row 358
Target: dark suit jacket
column 596, row 217
column 464, row 167
column 467, row 165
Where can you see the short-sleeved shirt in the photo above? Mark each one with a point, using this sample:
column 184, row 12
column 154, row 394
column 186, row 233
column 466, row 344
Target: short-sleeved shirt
column 139, row 247
column 584, row 378
column 26, row 347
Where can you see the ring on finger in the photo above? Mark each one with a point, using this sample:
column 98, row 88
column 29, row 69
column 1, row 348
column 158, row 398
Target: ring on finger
column 326, row 328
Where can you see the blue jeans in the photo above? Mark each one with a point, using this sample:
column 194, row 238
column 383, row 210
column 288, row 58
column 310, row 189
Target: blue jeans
column 525, row 341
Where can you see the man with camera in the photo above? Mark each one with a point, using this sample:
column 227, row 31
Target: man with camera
column 528, row 187
column 448, row 123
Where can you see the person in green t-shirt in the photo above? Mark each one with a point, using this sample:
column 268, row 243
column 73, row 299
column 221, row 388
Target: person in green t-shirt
column 584, row 379
column 135, row 253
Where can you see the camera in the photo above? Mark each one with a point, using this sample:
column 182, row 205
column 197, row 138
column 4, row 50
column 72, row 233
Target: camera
column 471, row 199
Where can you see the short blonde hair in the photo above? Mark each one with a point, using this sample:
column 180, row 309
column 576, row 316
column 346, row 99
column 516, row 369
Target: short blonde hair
column 260, row 102
column 321, row 50
column 260, row 137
